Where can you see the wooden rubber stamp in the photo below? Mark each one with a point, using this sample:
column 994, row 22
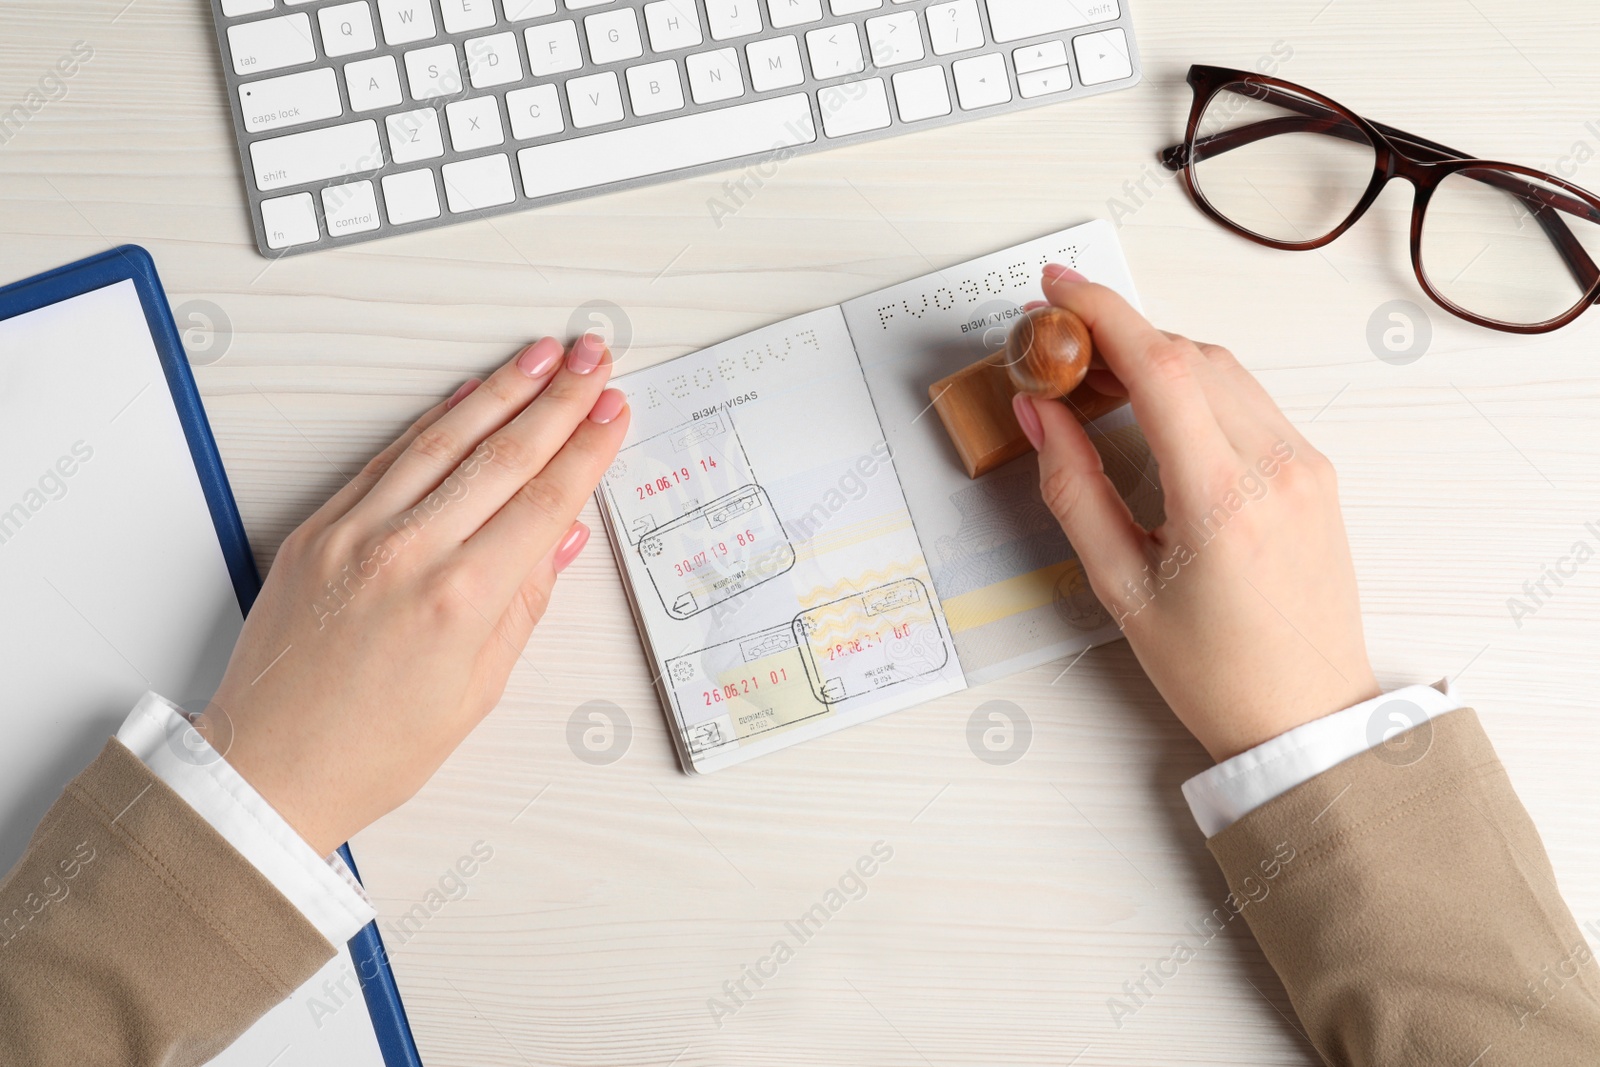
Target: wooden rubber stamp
column 1046, row 354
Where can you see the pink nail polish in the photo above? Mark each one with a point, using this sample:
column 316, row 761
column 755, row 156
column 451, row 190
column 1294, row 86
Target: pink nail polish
column 587, row 353
column 1055, row 272
column 540, row 358
column 1028, row 419
column 461, row 394
column 570, row 546
column 609, row 406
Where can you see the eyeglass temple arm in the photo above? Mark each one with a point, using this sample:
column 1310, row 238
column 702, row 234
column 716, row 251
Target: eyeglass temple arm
column 1542, row 204
column 1321, row 120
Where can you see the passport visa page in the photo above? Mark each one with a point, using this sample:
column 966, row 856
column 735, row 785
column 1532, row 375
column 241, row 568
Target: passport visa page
column 801, row 546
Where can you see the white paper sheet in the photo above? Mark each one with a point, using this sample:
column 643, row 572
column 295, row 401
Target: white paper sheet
column 112, row 582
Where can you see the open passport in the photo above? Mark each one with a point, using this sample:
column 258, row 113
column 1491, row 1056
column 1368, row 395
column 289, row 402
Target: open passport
column 800, row 544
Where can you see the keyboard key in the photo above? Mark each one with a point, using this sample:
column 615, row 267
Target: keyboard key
column 654, row 88
column 290, row 220
column 1012, row 20
column 535, row 112
column 410, row 197
column 463, row 15
column 474, row 124
column 786, row 13
column 1044, row 82
column 853, row 7
column 290, row 100
column 523, row 10
column 347, row 29
column 1102, row 57
column 298, row 158
column 234, row 8
column 835, row 51
column 579, row 5
column 666, row 145
column 613, row 36
column 774, row 63
column 405, row 21
column 1040, row 56
column 921, row 94
column 954, row 27
column 351, row 208
column 854, row 108
column 493, row 60
column 474, row 184
column 414, row 135
column 714, row 76
column 433, row 72
column 372, row 83
column 981, row 81
column 594, row 99
column 732, row 18
column 553, row 48
column 271, row 43
column 894, row 39
column 672, row 24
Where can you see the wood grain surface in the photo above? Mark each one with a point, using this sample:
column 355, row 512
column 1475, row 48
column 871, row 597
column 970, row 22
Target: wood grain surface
column 1019, row 899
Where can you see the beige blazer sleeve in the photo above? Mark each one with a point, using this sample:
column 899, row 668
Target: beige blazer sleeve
column 1406, row 901
column 132, row 933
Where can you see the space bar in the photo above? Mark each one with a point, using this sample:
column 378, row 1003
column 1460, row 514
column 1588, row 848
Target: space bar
column 667, row 145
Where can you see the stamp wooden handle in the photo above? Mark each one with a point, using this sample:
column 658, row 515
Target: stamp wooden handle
column 1047, row 352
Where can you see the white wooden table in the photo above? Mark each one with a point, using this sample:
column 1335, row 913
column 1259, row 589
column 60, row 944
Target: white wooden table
column 1019, row 899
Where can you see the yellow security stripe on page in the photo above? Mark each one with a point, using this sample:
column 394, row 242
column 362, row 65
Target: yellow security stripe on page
column 1025, row 592
column 854, row 534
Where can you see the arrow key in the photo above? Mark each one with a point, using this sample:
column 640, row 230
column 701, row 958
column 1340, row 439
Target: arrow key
column 981, row 81
column 1103, row 57
column 1041, row 56
column 1044, row 82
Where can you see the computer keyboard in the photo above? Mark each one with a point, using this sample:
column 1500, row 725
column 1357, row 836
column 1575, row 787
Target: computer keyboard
column 366, row 119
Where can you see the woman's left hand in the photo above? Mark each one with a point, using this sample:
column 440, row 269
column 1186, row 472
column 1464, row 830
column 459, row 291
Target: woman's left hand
column 391, row 619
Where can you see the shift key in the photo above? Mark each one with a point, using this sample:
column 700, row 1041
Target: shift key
column 1013, row 20
column 316, row 155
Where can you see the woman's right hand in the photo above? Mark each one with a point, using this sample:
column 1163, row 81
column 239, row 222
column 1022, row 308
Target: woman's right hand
column 1242, row 605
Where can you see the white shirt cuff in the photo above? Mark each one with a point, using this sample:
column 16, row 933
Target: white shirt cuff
column 323, row 889
column 1233, row 788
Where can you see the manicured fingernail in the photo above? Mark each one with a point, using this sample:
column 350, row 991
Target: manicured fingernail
column 1028, row 419
column 587, row 352
column 609, row 406
column 1055, row 272
column 461, row 394
column 540, row 357
column 570, row 546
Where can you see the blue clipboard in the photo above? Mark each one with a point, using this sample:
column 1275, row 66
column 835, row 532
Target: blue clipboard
column 133, row 263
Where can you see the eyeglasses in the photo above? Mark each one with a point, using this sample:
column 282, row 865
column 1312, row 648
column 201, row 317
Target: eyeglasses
column 1498, row 244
